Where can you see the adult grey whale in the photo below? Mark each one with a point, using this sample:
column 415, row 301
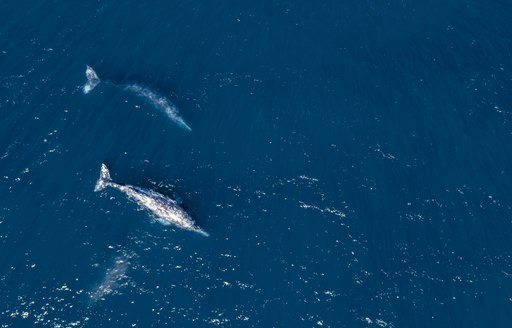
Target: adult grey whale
column 156, row 100
column 165, row 210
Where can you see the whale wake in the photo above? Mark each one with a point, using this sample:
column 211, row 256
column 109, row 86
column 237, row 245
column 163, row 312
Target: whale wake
column 158, row 101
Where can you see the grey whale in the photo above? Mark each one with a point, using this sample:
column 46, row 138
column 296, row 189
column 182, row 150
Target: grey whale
column 165, row 210
column 157, row 100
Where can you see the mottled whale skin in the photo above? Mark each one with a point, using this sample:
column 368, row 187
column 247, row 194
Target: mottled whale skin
column 165, row 210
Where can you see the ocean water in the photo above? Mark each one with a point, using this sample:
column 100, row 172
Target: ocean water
column 351, row 161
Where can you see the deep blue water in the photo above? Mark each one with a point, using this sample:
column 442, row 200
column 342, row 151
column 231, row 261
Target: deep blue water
column 351, row 161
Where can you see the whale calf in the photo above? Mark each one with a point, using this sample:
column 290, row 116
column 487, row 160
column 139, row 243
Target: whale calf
column 155, row 99
column 164, row 209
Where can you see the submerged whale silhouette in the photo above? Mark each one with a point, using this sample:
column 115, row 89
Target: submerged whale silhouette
column 156, row 100
column 165, row 210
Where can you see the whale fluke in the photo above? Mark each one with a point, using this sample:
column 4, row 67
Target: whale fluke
column 104, row 179
column 92, row 80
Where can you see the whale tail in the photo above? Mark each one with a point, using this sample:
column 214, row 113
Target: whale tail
column 92, row 80
column 104, row 179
